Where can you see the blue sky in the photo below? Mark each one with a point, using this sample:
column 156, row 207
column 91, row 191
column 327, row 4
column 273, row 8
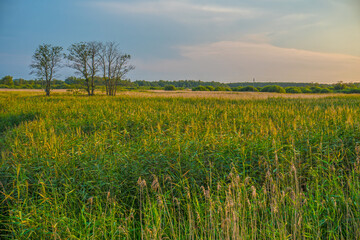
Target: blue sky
column 216, row 40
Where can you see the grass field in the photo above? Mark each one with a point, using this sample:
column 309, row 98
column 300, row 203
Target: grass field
column 157, row 166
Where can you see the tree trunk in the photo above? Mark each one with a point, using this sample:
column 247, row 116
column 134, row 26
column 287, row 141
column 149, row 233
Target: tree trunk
column 92, row 87
column 115, row 87
column 47, row 88
column 107, row 87
column 87, row 84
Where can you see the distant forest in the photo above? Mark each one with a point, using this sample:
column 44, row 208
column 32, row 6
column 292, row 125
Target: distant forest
column 196, row 85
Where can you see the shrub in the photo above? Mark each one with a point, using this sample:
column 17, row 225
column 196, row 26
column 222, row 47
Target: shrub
column 305, row 90
column 293, row 90
column 351, row 90
column 200, row 88
column 4, row 86
column 222, row 89
column 211, row 88
column 170, row 88
column 273, row 88
column 249, row 89
column 325, row 90
column 316, row 89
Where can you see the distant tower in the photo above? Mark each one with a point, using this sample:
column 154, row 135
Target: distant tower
column 254, row 82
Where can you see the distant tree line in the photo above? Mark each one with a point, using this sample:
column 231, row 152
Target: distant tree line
column 9, row 82
column 263, row 84
column 98, row 82
column 309, row 88
column 178, row 84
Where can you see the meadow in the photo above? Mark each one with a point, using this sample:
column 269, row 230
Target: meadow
column 153, row 166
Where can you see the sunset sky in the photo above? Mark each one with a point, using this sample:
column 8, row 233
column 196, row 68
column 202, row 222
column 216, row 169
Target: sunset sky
column 213, row 40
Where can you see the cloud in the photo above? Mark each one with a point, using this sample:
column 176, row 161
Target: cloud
column 182, row 11
column 296, row 17
column 230, row 61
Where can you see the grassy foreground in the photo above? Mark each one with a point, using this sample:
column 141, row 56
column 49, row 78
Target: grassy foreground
column 125, row 167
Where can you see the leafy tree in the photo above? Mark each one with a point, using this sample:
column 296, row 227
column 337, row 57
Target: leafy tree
column 45, row 63
column 7, row 80
column 340, row 86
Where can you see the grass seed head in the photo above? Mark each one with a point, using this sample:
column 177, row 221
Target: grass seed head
column 253, row 191
column 155, row 184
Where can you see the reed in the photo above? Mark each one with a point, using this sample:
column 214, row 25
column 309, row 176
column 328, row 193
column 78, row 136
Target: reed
column 148, row 167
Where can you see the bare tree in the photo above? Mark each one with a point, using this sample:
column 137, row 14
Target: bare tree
column 102, row 61
column 122, row 67
column 108, row 55
column 114, row 66
column 45, row 63
column 84, row 59
column 94, row 62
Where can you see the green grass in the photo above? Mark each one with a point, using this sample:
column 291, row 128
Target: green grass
column 74, row 167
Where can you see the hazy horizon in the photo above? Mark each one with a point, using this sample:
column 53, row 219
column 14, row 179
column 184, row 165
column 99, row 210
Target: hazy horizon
column 224, row 41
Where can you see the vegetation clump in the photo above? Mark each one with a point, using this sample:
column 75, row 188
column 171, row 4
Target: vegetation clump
column 246, row 89
column 170, row 88
column 325, row 90
column 293, row 90
column 306, row 90
column 273, row 88
column 201, row 88
column 211, row 88
column 222, row 88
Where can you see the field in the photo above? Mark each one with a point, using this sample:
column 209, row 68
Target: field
column 159, row 165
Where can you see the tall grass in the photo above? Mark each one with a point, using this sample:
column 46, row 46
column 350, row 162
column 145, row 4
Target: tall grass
column 127, row 167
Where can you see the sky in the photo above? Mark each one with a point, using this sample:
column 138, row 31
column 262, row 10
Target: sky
column 213, row 40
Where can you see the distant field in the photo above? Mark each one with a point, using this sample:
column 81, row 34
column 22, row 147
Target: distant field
column 196, row 94
column 179, row 165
